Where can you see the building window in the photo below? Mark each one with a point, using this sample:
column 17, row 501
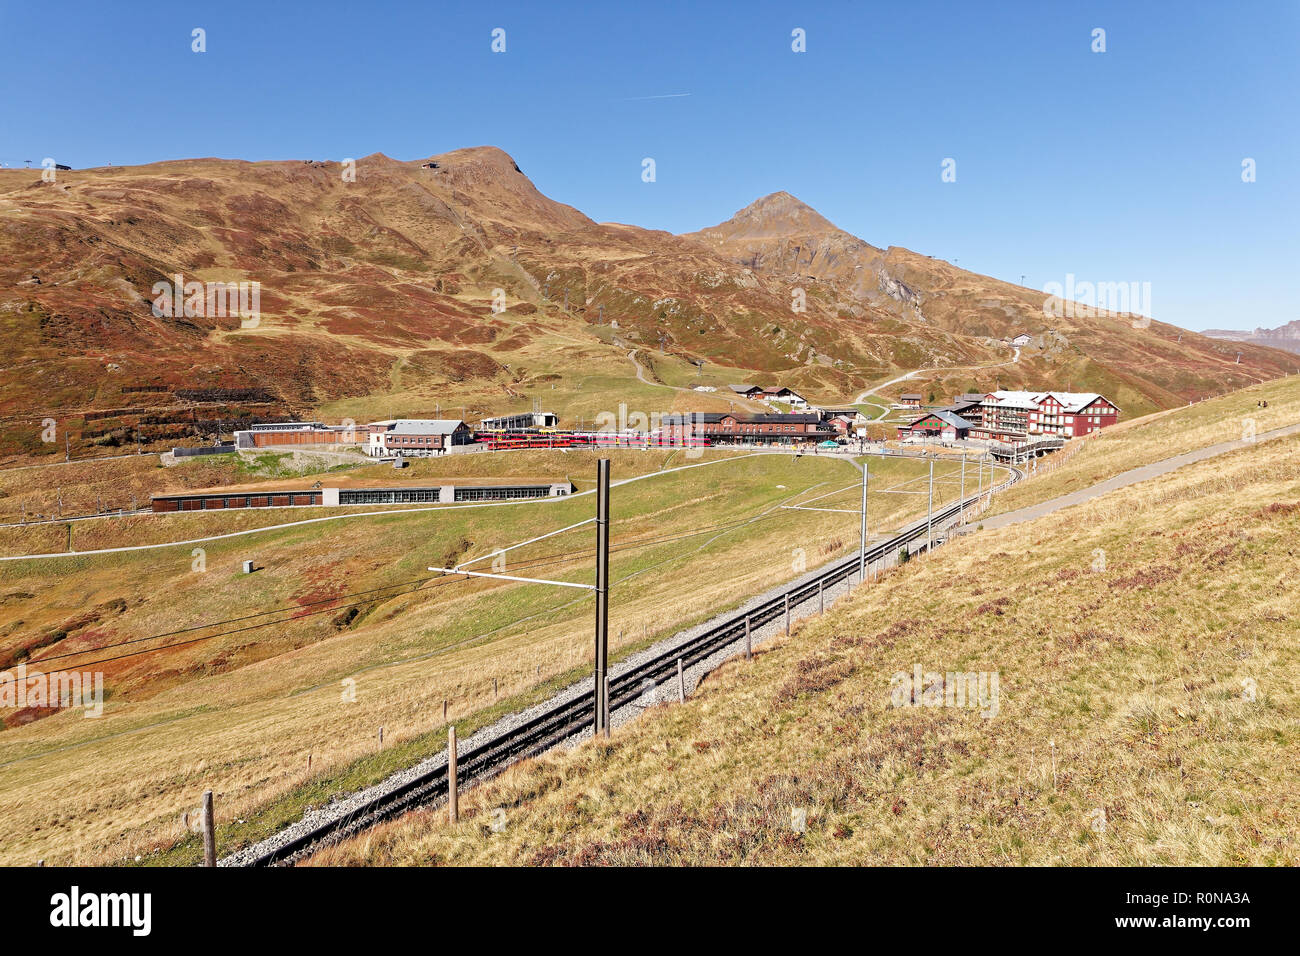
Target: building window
column 503, row 493
column 387, row 496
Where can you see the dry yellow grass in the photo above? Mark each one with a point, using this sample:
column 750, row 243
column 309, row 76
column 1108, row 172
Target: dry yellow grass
column 1155, row 437
column 245, row 710
column 1146, row 711
column 82, row 487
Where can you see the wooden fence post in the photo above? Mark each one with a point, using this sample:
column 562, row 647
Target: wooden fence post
column 209, row 831
column 821, row 597
column 453, row 812
column 681, row 683
column 749, row 651
column 787, row 613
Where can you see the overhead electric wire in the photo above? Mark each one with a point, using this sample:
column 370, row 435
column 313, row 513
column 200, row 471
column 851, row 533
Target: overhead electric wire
column 448, row 578
column 208, row 637
column 234, row 620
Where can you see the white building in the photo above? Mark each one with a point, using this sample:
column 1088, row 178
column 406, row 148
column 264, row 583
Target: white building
column 521, row 421
column 416, row 437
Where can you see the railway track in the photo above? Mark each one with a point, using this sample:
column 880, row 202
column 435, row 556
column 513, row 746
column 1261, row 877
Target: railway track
column 554, row 725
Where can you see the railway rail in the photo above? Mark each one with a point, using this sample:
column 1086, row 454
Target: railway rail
column 573, row 716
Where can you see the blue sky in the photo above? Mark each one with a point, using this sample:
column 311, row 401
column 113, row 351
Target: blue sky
column 1122, row 166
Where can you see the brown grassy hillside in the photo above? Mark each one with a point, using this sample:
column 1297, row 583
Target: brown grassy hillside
column 377, row 300
column 1143, row 365
column 1145, row 650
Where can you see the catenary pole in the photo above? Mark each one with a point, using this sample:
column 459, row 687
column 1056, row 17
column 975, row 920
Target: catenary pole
column 602, row 590
column 862, row 554
column 929, row 514
column 963, row 486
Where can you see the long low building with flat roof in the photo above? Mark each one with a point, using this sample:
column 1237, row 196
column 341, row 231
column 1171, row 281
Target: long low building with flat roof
column 272, row 434
column 290, row 495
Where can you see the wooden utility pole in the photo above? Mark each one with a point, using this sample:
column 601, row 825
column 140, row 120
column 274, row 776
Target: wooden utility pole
column 453, row 811
column 787, row 613
column 749, row 648
column 209, row 831
column 602, row 592
column 681, row 683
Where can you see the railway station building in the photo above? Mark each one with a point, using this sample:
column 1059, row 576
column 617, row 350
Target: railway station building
column 522, row 421
column 416, row 437
column 721, row 428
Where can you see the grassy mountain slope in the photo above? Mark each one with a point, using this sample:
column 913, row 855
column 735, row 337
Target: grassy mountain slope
column 378, row 294
column 244, row 677
column 1145, row 712
column 1142, row 441
column 1142, row 365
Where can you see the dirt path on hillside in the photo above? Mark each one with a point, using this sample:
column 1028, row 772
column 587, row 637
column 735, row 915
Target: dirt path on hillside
column 862, row 398
column 640, row 374
column 1132, row 477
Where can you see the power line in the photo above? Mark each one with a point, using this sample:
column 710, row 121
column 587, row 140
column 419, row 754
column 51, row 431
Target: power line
column 542, row 561
column 437, row 581
column 232, row 620
column 208, row 637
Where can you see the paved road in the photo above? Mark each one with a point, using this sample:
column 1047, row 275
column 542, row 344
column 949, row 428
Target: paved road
column 1132, row 477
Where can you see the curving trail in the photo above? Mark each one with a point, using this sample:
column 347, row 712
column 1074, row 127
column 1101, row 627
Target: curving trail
column 862, row 399
column 640, row 374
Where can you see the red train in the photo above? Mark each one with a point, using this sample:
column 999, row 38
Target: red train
column 571, row 439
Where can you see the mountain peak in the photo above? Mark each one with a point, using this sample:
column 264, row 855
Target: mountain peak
column 490, row 181
column 776, row 214
column 487, row 156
